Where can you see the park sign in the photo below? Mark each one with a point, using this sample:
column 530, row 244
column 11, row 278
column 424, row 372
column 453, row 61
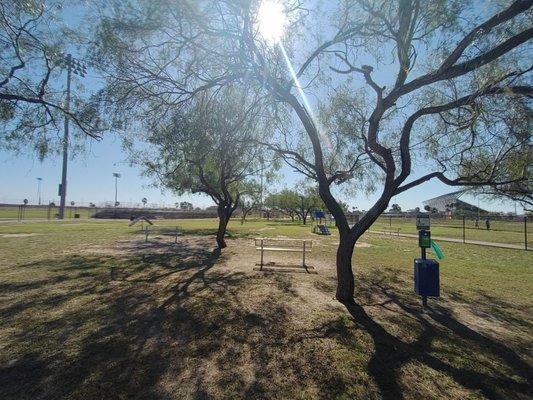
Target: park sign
column 422, row 221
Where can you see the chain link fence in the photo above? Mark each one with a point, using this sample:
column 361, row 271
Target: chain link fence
column 512, row 230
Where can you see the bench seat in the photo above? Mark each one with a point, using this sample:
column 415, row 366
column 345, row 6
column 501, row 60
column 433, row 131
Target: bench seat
column 292, row 249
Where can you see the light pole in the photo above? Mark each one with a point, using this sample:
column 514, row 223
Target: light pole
column 261, row 198
column 302, row 205
column 72, row 65
column 39, row 180
column 116, row 175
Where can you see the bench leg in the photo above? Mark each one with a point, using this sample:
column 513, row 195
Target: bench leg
column 261, row 265
column 303, row 256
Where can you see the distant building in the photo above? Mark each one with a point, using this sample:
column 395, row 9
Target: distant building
column 450, row 203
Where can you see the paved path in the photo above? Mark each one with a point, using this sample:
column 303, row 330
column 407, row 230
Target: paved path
column 456, row 240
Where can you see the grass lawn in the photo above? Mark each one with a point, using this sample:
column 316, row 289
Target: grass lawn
column 31, row 212
column 88, row 310
column 501, row 231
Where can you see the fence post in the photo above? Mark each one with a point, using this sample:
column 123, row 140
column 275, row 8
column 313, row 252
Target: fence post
column 464, row 230
column 146, row 238
column 525, row 232
column 390, row 225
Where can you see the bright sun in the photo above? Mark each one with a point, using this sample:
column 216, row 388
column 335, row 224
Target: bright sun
column 271, row 20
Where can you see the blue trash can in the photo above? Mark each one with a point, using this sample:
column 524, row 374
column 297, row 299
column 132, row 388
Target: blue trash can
column 427, row 278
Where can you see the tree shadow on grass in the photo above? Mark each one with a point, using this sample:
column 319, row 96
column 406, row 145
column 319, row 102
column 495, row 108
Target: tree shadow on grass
column 174, row 325
column 475, row 361
column 108, row 339
column 171, row 326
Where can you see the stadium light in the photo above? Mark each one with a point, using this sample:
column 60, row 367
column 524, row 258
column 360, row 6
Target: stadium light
column 116, row 175
column 78, row 68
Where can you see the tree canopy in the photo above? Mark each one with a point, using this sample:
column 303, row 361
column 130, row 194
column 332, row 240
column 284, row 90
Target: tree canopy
column 361, row 90
column 34, row 42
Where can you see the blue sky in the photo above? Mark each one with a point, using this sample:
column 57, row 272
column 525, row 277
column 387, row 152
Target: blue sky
column 90, row 175
column 90, row 180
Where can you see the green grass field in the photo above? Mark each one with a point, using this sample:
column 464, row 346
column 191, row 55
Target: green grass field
column 501, row 231
column 89, row 310
column 31, row 212
column 509, row 232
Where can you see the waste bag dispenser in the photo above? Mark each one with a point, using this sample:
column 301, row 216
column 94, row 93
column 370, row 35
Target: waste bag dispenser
column 426, row 271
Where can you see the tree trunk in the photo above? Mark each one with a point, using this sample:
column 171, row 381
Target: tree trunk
column 345, row 278
column 304, row 218
column 224, row 214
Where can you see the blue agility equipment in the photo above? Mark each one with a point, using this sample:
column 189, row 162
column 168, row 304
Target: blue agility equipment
column 324, row 230
column 319, row 215
column 320, row 227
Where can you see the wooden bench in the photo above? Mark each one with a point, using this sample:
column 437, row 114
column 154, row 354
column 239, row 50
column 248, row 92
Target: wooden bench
column 166, row 231
column 283, row 245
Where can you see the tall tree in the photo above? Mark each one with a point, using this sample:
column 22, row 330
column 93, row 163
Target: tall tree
column 460, row 76
column 208, row 147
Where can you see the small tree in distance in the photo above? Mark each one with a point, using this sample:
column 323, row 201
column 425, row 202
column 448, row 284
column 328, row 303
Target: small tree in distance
column 296, row 203
column 285, row 201
column 395, row 208
column 209, row 148
column 309, row 201
column 250, row 198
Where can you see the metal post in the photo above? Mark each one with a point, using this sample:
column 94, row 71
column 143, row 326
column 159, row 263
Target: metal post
column 261, row 196
column 261, row 265
column 176, row 238
column 303, row 257
column 525, row 232
column 39, row 180
column 423, row 256
column 464, row 230
column 63, row 193
column 116, row 189
column 146, row 238
column 390, row 225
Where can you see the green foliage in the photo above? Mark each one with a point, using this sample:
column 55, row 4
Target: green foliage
column 395, row 208
column 295, row 203
column 34, row 40
column 209, row 147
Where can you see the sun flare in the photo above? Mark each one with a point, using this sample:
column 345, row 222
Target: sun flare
column 271, row 20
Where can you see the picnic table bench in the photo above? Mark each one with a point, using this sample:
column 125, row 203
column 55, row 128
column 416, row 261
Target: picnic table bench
column 283, row 245
column 390, row 229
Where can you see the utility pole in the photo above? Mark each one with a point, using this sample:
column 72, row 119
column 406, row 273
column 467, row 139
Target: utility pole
column 39, row 180
column 116, row 175
column 261, row 198
column 76, row 67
